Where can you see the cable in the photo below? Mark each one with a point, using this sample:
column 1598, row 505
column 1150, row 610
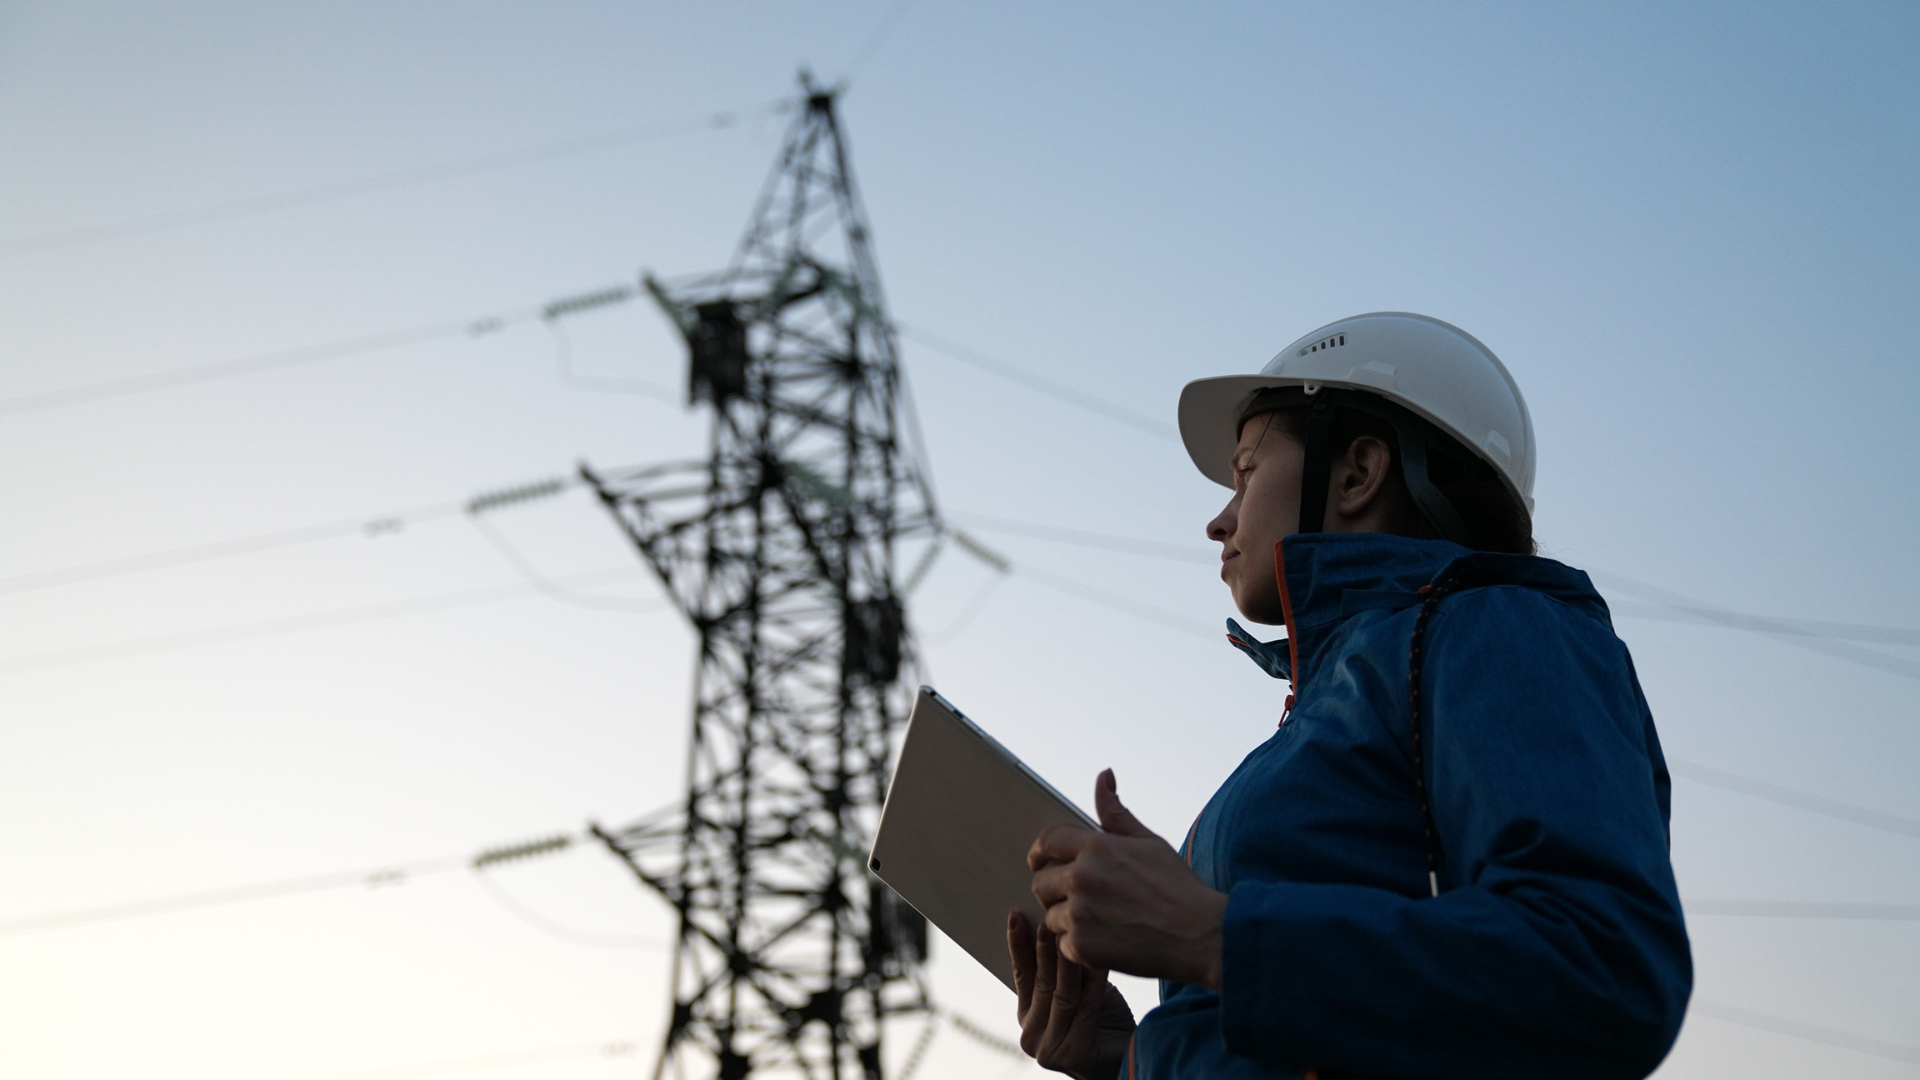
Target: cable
column 554, row 591
column 377, row 878
column 1108, row 409
column 370, row 527
column 512, row 905
column 448, row 1066
column 952, row 631
column 220, row 635
column 922, row 458
column 1081, row 538
column 1789, row 909
column 1780, row 1025
column 1760, row 624
column 1799, row 800
column 1820, row 637
column 548, row 313
column 261, row 204
column 383, row 524
column 1102, row 597
column 282, row 358
column 1115, row 601
column 373, row 879
column 563, row 371
column 874, row 40
column 1673, row 606
column 1694, row 771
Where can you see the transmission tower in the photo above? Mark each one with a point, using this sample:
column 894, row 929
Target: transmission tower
column 782, row 550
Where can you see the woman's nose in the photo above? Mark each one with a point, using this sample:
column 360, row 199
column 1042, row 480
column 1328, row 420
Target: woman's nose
column 1221, row 526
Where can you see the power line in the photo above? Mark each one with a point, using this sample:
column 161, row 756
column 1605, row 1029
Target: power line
column 553, row 590
column 368, row 185
column 1780, row 1025
column 1828, row 638
column 449, row 1066
column 1116, row 601
column 951, row 632
column 1765, row 624
column 514, row 906
column 602, row 384
column 1092, row 594
column 370, row 527
column 1790, row 909
column 1082, row 538
column 1799, row 800
column 480, row 326
column 380, row 877
column 377, row 525
column 385, row 523
column 270, row 361
column 220, row 635
column 1821, row 636
column 373, row 879
column 881, row 33
column 1080, row 398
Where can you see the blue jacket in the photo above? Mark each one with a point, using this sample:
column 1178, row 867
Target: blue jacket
column 1555, row 946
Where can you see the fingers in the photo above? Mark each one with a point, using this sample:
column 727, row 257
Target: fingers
column 1068, row 990
column 1046, row 971
column 1093, row 998
column 1114, row 817
column 1034, row 1022
column 1058, row 923
column 1062, row 843
column 1051, row 885
column 1020, row 944
column 1079, row 995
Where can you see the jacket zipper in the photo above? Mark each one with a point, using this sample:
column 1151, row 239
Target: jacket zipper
column 1293, row 635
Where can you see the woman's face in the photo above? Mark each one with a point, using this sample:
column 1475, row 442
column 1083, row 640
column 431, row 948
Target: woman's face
column 1265, row 507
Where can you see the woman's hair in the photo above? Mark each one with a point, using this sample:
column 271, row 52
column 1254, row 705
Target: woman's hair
column 1497, row 518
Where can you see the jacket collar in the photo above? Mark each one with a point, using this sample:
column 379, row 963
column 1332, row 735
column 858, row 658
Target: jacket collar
column 1326, row 577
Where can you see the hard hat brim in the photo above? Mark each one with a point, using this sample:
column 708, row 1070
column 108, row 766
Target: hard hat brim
column 1210, row 419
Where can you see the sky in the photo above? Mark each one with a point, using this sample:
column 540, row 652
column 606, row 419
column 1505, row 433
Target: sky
column 1690, row 232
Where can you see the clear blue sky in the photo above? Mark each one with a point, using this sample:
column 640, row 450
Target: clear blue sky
column 1691, row 234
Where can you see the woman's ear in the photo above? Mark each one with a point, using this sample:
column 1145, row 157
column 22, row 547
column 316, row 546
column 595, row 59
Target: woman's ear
column 1359, row 482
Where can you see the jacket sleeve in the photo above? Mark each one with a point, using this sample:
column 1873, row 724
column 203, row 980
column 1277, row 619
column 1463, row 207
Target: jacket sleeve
column 1556, row 947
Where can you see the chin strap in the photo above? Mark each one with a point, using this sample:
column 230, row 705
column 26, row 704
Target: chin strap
column 1317, row 470
column 1437, row 507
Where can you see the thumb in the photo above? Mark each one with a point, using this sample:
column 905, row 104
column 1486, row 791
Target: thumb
column 1114, row 817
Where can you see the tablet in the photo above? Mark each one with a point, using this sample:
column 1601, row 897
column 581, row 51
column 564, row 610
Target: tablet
column 960, row 815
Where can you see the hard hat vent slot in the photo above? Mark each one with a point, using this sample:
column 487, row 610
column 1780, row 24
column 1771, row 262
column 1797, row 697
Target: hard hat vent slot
column 1324, row 343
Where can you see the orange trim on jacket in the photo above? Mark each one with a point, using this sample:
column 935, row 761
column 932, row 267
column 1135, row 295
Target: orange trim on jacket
column 1293, row 633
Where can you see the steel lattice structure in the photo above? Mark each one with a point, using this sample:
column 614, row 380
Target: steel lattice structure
column 782, row 550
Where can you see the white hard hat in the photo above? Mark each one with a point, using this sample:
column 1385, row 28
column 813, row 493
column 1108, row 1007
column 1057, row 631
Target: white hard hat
column 1436, row 370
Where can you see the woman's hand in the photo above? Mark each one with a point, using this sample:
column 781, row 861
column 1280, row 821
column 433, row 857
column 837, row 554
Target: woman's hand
column 1072, row 1020
column 1124, row 900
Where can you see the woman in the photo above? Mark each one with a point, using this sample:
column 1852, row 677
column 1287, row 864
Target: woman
column 1450, row 860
